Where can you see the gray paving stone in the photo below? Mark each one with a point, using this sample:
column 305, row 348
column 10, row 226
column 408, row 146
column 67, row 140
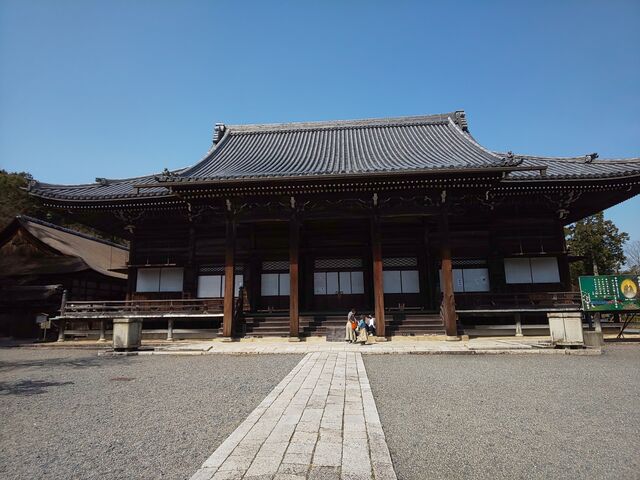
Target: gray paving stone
column 324, row 473
column 293, row 469
column 320, row 422
column 328, row 454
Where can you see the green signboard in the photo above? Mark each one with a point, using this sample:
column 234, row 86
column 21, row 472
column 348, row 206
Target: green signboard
column 610, row 293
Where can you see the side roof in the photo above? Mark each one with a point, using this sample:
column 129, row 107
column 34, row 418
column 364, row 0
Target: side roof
column 98, row 255
column 335, row 149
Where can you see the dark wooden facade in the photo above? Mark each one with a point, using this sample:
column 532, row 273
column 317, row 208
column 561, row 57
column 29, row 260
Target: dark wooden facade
column 312, row 218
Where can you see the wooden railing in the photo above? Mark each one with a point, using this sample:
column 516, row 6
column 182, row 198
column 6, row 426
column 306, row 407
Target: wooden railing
column 110, row 309
column 530, row 300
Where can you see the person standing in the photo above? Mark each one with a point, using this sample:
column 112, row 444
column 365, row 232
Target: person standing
column 371, row 325
column 350, row 335
column 362, row 331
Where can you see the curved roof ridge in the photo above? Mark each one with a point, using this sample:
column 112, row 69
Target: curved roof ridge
column 110, row 181
column 499, row 156
column 331, row 124
column 576, row 159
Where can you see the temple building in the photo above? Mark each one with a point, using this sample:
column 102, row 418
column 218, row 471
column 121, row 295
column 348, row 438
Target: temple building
column 40, row 263
column 280, row 229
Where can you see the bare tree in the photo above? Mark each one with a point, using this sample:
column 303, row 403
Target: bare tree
column 632, row 252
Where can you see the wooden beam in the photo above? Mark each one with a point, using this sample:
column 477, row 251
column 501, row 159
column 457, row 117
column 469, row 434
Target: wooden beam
column 448, row 306
column 229, row 278
column 294, row 260
column 378, row 288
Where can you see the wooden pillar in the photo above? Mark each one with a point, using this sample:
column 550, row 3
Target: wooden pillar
column 425, row 270
column 294, row 261
column 191, row 270
column 132, row 272
column 563, row 261
column 229, row 278
column 378, row 288
column 448, row 306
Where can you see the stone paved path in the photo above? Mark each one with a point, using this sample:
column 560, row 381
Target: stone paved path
column 426, row 347
column 319, row 422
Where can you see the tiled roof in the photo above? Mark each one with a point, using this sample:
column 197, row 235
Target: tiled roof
column 575, row 168
column 340, row 149
column 75, row 250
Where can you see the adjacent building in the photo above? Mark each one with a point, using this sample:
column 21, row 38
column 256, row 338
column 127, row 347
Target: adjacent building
column 40, row 261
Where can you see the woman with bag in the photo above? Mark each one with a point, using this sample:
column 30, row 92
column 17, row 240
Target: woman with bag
column 362, row 331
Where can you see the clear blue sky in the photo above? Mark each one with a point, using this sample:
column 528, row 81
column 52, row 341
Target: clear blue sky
column 123, row 88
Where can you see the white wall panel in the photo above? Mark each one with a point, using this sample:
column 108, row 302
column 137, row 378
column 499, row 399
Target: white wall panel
column 148, row 280
column 517, row 270
column 391, row 282
column 210, row 286
column 545, row 270
column 357, row 283
column 476, row 279
column 410, row 281
column 285, row 284
column 171, row 279
column 332, row 283
column 319, row 283
column 345, row 282
column 269, row 285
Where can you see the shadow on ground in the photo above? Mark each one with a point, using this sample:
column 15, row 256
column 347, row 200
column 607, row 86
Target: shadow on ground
column 28, row 387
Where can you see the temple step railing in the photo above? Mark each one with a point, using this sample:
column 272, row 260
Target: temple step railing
column 522, row 301
column 143, row 308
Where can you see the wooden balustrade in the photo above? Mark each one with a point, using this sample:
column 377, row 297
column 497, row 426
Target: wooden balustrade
column 529, row 300
column 98, row 309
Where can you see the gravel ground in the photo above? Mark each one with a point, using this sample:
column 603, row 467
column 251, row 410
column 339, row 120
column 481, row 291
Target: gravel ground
column 515, row 417
column 71, row 414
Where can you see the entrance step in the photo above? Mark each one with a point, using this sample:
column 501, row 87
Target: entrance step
column 414, row 324
column 266, row 326
column 315, row 325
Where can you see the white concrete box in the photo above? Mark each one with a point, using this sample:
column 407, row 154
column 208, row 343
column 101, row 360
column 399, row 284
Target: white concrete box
column 566, row 328
column 127, row 333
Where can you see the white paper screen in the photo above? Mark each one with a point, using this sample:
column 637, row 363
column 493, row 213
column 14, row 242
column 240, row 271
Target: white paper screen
column 320, row 283
column 210, row 286
column 239, row 282
column 285, row 285
column 345, row 282
column 269, row 285
column 517, row 270
column 476, row 279
column 357, row 283
column 171, row 279
column 410, row 281
column 148, row 280
column 391, row 282
column 332, row 283
column 545, row 270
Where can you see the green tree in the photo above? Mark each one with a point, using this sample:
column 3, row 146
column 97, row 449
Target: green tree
column 600, row 243
column 632, row 251
column 14, row 200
